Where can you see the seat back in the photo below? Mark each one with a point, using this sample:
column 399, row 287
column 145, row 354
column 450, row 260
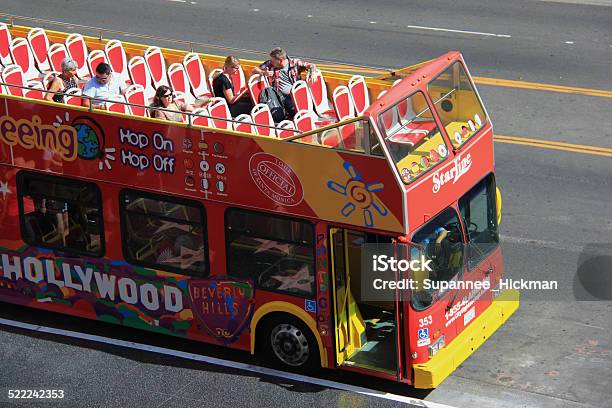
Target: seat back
column 95, row 58
column 196, row 75
column 37, row 37
column 390, row 120
column 73, row 97
column 261, row 116
column 36, row 89
column 345, row 109
column 318, row 92
column 46, row 81
column 57, row 53
column 140, row 75
column 256, row 84
column 135, row 94
column 13, row 75
column 244, row 123
column 179, row 97
column 117, row 59
column 219, row 110
column 331, row 138
column 211, row 77
column 394, row 118
column 239, row 80
column 404, row 110
column 5, row 42
column 22, row 56
column 117, row 104
column 286, row 129
column 301, row 96
column 157, row 66
column 359, row 94
column 179, row 81
column 201, row 120
column 304, row 121
column 342, row 103
column 78, row 52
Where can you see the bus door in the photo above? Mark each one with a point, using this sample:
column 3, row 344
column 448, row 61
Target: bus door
column 365, row 332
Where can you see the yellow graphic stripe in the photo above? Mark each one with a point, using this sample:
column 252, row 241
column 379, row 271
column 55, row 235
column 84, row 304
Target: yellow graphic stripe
column 542, row 87
column 547, row 144
column 328, row 204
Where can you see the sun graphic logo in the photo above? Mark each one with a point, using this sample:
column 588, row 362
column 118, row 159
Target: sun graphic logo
column 359, row 195
column 90, row 137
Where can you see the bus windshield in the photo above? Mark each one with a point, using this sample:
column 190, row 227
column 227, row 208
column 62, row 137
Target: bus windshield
column 412, row 136
column 457, row 104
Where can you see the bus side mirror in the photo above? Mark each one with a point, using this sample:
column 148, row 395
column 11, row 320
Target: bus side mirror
column 499, row 204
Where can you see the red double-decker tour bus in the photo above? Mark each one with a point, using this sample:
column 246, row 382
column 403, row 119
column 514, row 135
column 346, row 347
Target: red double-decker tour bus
column 249, row 234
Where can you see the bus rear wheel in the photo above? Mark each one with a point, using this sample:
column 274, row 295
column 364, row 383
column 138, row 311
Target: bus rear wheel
column 289, row 343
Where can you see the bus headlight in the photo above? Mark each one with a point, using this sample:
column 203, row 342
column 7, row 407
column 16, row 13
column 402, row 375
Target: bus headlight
column 436, row 346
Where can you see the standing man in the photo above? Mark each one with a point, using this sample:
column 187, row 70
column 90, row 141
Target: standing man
column 103, row 85
column 283, row 73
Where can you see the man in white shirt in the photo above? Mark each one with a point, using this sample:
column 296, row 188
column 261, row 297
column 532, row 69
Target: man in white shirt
column 104, row 85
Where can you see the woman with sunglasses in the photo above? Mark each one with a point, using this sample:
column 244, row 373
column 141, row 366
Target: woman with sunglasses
column 223, row 87
column 164, row 98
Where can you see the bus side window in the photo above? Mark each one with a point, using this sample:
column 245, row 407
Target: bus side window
column 51, row 212
column 276, row 252
column 163, row 232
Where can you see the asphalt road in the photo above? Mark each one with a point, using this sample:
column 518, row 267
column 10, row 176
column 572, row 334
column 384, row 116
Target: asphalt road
column 557, row 219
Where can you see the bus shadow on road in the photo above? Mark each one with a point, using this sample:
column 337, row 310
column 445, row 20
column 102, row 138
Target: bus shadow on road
column 180, row 351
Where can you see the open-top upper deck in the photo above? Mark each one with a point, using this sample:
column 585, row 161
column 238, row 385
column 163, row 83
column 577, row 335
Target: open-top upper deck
column 387, row 168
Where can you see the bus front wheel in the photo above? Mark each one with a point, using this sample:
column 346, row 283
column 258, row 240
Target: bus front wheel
column 287, row 341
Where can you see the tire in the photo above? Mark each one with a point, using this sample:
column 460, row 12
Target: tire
column 288, row 343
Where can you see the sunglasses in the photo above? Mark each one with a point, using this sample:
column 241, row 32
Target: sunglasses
column 170, row 95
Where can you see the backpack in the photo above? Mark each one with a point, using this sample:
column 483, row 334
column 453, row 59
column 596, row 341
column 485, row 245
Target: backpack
column 273, row 99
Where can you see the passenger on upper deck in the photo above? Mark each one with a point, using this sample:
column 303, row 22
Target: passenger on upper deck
column 164, row 99
column 223, row 87
column 103, row 85
column 62, row 82
column 283, row 72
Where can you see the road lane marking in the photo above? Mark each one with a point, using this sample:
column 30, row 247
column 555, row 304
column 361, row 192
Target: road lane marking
column 589, row 325
column 583, row 2
column 597, row 151
column 509, row 83
column 459, row 31
column 552, row 142
column 413, row 402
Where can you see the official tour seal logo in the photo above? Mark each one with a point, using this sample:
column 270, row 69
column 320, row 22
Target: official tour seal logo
column 276, row 179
